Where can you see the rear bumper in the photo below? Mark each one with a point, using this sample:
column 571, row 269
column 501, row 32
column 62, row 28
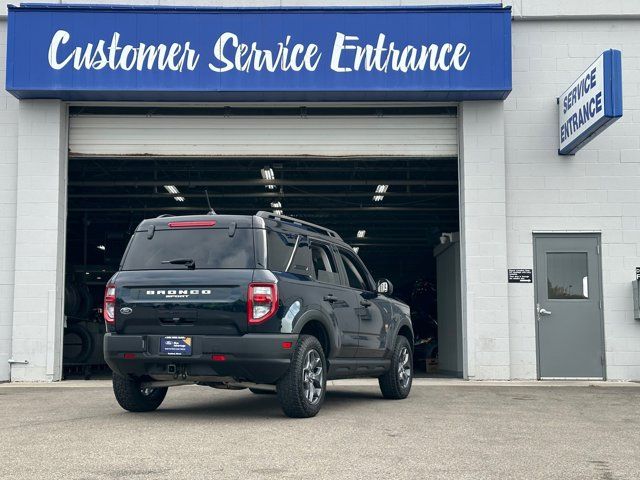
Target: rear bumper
column 258, row 358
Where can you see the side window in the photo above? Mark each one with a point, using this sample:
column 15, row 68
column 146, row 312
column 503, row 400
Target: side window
column 324, row 266
column 280, row 247
column 301, row 263
column 356, row 275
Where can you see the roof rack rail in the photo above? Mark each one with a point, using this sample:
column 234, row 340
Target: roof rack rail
column 300, row 223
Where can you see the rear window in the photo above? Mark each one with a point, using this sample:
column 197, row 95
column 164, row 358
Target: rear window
column 207, row 247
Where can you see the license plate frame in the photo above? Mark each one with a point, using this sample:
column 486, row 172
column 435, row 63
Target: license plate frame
column 176, row 346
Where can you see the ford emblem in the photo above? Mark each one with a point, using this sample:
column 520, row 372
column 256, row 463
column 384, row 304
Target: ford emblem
column 126, row 310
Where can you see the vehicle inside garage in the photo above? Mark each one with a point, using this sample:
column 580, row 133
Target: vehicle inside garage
column 399, row 209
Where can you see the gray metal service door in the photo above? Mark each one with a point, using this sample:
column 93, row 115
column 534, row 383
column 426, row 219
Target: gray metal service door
column 569, row 306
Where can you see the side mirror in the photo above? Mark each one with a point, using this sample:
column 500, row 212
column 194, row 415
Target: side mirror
column 385, row 286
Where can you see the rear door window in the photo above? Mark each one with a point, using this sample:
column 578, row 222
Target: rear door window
column 207, row 247
column 324, row 265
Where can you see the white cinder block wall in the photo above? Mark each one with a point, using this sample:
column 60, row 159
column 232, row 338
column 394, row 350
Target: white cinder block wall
column 483, row 240
column 8, row 170
column 596, row 190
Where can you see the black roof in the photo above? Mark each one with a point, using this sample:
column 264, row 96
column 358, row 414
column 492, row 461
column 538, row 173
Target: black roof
column 271, row 221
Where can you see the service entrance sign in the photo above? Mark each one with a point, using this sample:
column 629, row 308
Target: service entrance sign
column 591, row 103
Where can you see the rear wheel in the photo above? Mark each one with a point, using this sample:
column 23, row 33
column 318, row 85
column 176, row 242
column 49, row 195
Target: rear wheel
column 396, row 383
column 133, row 397
column 301, row 390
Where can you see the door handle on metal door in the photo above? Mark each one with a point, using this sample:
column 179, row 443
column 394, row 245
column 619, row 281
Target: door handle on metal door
column 365, row 303
column 541, row 311
column 330, row 298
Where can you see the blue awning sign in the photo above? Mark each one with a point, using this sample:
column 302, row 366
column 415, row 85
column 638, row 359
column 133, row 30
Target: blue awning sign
column 181, row 53
column 591, row 103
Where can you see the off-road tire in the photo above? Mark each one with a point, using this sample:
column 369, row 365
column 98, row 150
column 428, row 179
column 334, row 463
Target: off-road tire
column 86, row 343
column 260, row 391
column 391, row 384
column 291, row 387
column 130, row 396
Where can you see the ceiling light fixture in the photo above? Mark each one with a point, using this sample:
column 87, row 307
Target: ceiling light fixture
column 356, row 249
column 267, row 174
column 380, row 191
column 361, row 233
column 278, row 212
column 174, row 190
column 101, row 247
column 276, row 205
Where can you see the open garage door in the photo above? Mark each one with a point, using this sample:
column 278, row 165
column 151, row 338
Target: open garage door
column 266, row 132
column 390, row 173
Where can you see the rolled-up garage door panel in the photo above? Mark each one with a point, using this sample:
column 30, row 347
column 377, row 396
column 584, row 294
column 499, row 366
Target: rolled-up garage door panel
column 201, row 136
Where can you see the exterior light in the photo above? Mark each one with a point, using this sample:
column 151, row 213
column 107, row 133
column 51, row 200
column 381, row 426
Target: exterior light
column 356, row 249
column 101, row 247
column 361, row 233
column 276, row 205
column 378, row 198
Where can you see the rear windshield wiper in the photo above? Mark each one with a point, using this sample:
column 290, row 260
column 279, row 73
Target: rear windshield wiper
column 187, row 262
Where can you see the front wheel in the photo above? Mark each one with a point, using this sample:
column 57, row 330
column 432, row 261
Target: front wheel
column 396, row 383
column 301, row 390
column 133, row 397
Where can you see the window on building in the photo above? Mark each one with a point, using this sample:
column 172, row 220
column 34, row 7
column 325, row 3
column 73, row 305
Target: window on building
column 567, row 276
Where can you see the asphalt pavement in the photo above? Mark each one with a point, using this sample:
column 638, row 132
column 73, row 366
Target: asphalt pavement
column 444, row 430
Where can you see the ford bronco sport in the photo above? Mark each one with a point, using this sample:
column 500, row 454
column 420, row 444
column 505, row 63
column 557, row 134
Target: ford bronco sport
column 265, row 302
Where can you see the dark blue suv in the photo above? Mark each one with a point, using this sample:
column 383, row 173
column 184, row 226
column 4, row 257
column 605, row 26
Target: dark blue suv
column 265, row 302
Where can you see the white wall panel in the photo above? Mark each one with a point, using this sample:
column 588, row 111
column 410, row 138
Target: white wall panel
column 108, row 135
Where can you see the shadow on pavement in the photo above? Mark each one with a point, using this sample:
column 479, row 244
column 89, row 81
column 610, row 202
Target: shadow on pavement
column 247, row 405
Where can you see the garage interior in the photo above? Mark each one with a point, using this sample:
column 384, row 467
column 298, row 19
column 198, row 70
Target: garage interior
column 401, row 211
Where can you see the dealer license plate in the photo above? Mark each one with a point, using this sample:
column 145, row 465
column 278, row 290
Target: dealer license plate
column 175, row 346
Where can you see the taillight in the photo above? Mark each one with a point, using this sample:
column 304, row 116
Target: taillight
column 109, row 303
column 262, row 302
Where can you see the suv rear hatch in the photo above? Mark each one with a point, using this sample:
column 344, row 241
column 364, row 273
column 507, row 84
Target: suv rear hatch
column 184, row 277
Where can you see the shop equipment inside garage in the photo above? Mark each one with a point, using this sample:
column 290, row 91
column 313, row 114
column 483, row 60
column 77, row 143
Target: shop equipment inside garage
column 356, row 171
